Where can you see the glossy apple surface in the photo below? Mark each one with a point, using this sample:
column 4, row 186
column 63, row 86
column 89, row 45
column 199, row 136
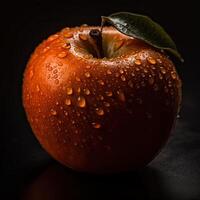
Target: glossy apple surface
column 100, row 115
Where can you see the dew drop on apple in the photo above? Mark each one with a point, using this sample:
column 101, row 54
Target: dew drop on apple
column 31, row 74
column 121, row 96
column 88, row 66
column 78, row 79
column 78, row 90
column 109, row 72
column 132, row 74
column 109, row 93
column 52, row 37
column 123, row 78
column 37, row 88
column 99, row 111
column 107, row 104
column 100, row 137
column 66, row 113
column 121, row 71
column 83, row 37
column 100, row 82
column 81, row 102
column 163, row 70
column 137, row 62
column 62, row 54
column 160, row 76
column 68, row 35
column 87, row 91
column 69, row 91
column 96, row 125
column 151, row 60
column 173, row 75
column 87, row 74
column 116, row 74
column 53, row 112
column 139, row 101
column 75, row 144
column 155, row 87
column 68, row 101
column 145, row 70
column 137, row 69
column 151, row 80
column 101, row 97
column 130, row 84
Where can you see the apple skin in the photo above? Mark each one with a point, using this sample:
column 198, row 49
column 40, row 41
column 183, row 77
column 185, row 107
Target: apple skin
column 100, row 115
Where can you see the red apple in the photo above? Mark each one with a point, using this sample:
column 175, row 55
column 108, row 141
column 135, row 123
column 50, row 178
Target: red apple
column 100, row 110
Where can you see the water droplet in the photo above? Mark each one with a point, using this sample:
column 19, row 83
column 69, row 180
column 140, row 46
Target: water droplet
column 88, row 66
column 56, row 81
column 69, row 90
column 170, row 84
column 139, row 100
column 151, row 80
column 145, row 70
column 87, row 74
column 75, row 144
column 143, row 75
column 163, row 70
column 100, row 82
column 173, row 75
column 116, row 74
column 130, row 84
column 68, row 45
column 81, row 102
column 31, row 74
column 68, row 35
column 166, row 89
column 151, row 60
column 137, row 69
column 78, row 79
column 178, row 116
column 101, row 97
column 78, row 90
column 155, row 87
column 52, row 37
column 55, row 71
column 160, row 76
column 86, row 91
column 96, row 125
column 53, row 112
column 123, row 78
column 138, row 62
column 109, row 72
column 37, row 88
column 109, row 93
column 68, row 101
column 99, row 111
column 62, row 54
column 149, row 116
column 83, row 37
column 121, row 95
column 132, row 74
column 46, row 49
column 107, row 104
column 57, row 103
column 121, row 71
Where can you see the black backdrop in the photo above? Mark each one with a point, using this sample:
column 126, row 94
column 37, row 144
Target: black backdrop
column 26, row 168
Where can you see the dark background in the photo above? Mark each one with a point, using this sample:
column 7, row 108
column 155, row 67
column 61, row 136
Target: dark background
column 26, row 169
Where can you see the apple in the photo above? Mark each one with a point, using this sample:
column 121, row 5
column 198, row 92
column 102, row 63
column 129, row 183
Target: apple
column 100, row 102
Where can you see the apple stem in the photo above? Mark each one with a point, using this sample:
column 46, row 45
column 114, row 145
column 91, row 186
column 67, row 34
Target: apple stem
column 96, row 41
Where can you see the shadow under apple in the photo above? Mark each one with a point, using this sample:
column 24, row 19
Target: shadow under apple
column 59, row 183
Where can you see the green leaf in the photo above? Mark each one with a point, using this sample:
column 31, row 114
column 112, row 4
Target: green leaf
column 143, row 28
